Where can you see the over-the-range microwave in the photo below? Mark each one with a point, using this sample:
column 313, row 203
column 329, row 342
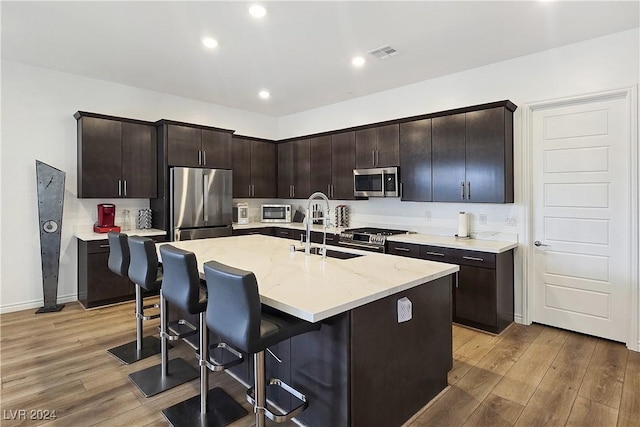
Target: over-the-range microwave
column 275, row 213
column 377, row 182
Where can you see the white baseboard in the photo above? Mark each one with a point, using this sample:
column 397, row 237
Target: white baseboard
column 10, row 308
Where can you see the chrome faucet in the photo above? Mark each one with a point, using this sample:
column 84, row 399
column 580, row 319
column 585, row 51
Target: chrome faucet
column 309, row 220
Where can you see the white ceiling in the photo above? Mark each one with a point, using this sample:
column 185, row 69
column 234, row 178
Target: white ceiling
column 301, row 51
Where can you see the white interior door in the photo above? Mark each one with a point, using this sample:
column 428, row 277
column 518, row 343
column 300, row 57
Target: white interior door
column 581, row 217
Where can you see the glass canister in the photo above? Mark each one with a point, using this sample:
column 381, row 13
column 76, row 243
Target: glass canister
column 126, row 220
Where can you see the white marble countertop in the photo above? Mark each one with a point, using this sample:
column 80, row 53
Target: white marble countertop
column 310, row 287
column 480, row 245
column 492, row 246
column 291, row 225
column 86, row 233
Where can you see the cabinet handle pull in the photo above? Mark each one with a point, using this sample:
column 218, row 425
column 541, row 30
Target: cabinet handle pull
column 373, row 157
column 377, row 157
column 473, row 258
column 204, row 157
column 119, row 187
column 249, row 190
column 469, row 190
column 329, row 190
column 462, row 190
column 104, row 246
column 200, row 157
column 401, row 190
column 457, row 281
column 401, row 249
column 274, row 356
column 125, row 187
column 435, row 253
column 294, row 191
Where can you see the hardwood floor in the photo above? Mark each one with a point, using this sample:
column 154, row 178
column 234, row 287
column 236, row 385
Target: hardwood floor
column 527, row 376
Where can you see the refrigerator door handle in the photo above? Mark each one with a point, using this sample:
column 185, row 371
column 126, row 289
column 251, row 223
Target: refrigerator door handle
column 205, row 193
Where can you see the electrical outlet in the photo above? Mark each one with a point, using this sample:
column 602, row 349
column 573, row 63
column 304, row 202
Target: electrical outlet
column 427, row 215
column 404, row 310
column 511, row 221
column 483, row 219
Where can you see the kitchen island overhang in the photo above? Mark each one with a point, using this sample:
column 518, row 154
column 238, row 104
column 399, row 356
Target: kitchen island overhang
column 363, row 367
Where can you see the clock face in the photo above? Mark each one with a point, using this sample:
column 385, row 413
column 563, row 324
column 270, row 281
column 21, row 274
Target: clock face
column 50, row 226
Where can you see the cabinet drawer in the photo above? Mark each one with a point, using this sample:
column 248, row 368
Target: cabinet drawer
column 403, row 249
column 97, row 246
column 316, row 237
column 458, row 256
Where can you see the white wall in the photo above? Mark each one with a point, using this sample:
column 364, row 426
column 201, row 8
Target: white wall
column 596, row 65
column 37, row 123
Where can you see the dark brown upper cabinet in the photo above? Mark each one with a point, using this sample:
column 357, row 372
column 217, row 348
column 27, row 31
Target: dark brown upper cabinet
column 192, row 146
column 332, row 164
column 294, row 167
column 117, row 157
column 320, row 164
column 343, row 161
column 253, row 162
column 472, row 156
column 377, row 146
column 415, row 160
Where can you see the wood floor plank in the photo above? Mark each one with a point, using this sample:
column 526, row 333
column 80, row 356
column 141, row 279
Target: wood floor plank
column 577, row 350
column 551, row 403
column 461, row 365
column 630, row 401
column 451, row 409
column 520, row 382
column 494, row 411
column 587, row 412
column 477, row 347
column 605, row 376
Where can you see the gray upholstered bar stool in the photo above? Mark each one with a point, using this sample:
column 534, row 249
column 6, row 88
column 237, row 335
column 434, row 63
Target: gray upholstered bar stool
column 120, row 263
column 158, row 378
column 234, row 312
column 182, row 288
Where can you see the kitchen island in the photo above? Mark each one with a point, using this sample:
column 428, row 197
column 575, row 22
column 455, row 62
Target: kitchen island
column 363, row 367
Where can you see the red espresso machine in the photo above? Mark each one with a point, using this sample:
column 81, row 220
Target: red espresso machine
column 106, row 218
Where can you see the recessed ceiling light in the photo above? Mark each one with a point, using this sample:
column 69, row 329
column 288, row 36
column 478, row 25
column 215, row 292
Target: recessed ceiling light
column 209, row 42
column 264, row 94
column 358, row 61
column 257, row 11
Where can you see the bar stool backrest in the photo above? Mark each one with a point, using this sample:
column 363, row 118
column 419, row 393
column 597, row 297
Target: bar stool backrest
column 234, row 310
column 143, row 269
column 181, row 281
column 118, row 253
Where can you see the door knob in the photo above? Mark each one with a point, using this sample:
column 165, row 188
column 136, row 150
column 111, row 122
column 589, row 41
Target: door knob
column 538, row 243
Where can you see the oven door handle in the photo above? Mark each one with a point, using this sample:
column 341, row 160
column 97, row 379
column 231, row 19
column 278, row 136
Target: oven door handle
column 360, row 245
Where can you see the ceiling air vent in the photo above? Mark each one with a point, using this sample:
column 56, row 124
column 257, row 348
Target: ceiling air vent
column 383, row 52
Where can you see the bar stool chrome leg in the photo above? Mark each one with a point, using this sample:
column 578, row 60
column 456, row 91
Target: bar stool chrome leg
column 165, row 376
column 260, row 388
column 142, row 347
column 216, row 407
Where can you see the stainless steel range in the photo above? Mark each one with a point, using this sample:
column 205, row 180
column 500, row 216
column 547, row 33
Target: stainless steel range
column 367, row 238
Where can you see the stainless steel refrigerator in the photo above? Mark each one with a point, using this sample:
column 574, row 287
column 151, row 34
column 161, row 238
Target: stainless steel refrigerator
column 200, row 203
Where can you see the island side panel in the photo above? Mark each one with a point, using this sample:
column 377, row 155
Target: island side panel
column 320, row 370
column 397, row 368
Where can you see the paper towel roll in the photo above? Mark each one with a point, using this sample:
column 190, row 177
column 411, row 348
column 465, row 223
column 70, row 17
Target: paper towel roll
column 463, row 225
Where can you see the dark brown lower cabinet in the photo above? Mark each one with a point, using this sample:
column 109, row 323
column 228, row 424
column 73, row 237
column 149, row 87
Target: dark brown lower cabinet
column 483, row 293
column 97, row 285
column 265, row 231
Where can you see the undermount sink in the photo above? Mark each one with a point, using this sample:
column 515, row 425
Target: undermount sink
column 316, row 250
